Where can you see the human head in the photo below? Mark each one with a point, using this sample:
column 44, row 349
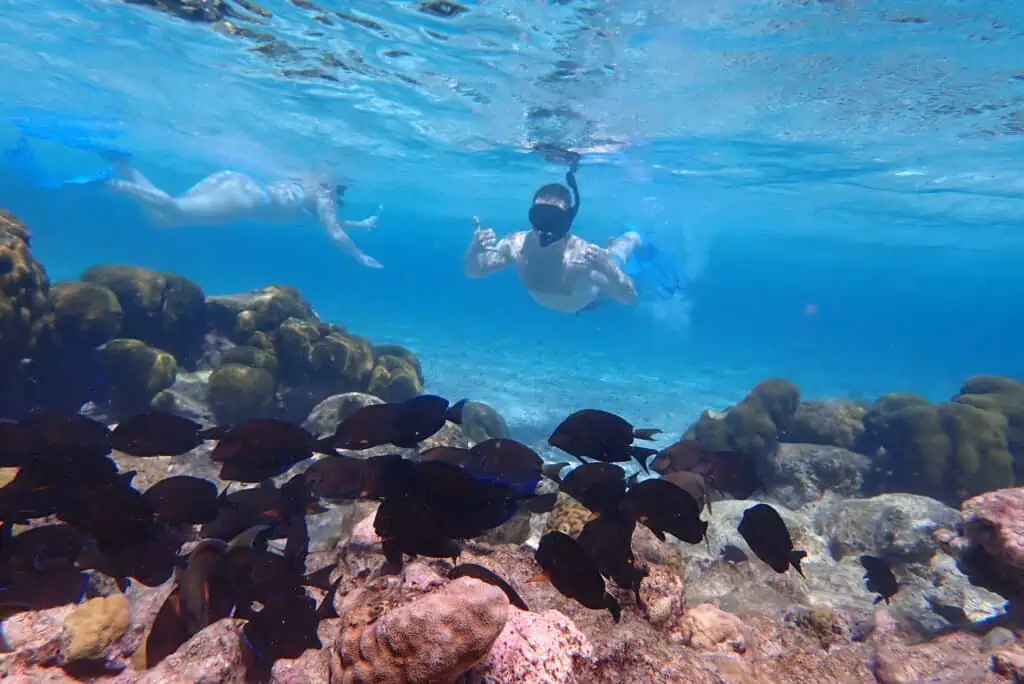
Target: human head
column 551, row 214
column 339, row 193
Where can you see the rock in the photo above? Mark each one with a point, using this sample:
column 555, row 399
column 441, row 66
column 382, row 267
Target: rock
column 325, row 417
column 997, row 638
column 708, row 628
column 85, row 315
column 395, row 379
column 137, row 373
column 899, row 527
column 533, row 648
column 240, row 315
column 797, row 474
column 254, row 357
column 312, row 667
column 950, row 659
column 94, row 625
column 663, row 596
column 164, row 310
column 238, row 393
column 213, row 656
column 480, row 422
column 432, row 640
column 187, row 397
column 995, row 521
column 832, row 422
column 568, row 516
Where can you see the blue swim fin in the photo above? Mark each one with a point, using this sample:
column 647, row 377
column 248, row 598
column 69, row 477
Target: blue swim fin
column 652, row 270
column 72, row 132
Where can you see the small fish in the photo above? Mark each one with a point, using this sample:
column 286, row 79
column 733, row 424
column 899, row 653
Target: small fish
column 449, row 454
column 368, row 427
column 573, row 573
column 607, row 539
column 732, row 472
column 506, row 459
column 168, row 631
column 879, row 577
column 284, row 628
column 40, row 549
column 156, row 433
column 541, row 503
column 345, row 477
column 664, row 507
column 406, row 526
column 183, row 499
column 767, row 536
column 733, row 554
column 260, row 448
column 600, row 487
column 484, row 575
column 41, row 590
column 65, row 436
column 602, row 436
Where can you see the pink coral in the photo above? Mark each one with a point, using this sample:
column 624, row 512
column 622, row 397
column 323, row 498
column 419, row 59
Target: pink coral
column 534, row 648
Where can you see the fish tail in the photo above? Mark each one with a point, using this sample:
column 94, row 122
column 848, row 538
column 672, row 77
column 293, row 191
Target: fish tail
column 879, row 600
column 553, row 471
column 646, row 434
column 795, row 557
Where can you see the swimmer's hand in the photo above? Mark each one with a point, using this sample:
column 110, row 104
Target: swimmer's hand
column 596, row 259
column 484, row 239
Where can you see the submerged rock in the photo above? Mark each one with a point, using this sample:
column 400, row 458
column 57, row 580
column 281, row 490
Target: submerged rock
column 832, row 422
column 798, row 474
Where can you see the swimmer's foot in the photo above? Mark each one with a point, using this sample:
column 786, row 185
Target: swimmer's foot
column 369, row 261
column 115, row 155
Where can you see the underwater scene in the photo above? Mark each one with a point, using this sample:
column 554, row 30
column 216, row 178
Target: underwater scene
column 511, row 341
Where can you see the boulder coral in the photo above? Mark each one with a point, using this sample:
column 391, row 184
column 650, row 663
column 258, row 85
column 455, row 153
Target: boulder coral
column 164, row 310
column 24, row 292
column 137, row 373
column 752, row 426
column 431, row 640
column 238, row 392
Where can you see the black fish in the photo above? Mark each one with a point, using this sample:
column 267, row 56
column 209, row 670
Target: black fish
column 257, row 449
column 607, row 539
column 284, row 628
column 598, row 486
column 693, row 483
column 461, row 505
column 168, row 631
column 729, row 471
column 416, row 419
column 454, row 413
column 345, row 477
column 69, row 436
column 111, row 510
column 405, row 526
column 484, row 575
column 156, row 433
column 183, row 499
column 206, row 595
column 40, row 549
column 879, row 577
column 573, row 573
column 733, row 554
column 541, row 503
column 455, row 455
column 41, row 590
column 767, row 536
column 664, row 507
column 602, row 436
column 506, row 459
column 368, row 427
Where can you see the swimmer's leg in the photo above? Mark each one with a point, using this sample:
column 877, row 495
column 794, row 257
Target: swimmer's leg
column 342, row 239
column 623, row 246
column 146, row 193
column 217, row 182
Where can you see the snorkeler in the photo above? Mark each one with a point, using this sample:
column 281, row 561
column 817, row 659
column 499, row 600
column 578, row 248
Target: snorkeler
column 229, row 196
column 560, row 271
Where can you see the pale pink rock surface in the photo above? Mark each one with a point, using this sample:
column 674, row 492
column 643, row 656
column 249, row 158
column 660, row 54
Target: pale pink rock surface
column 534, row 648
column 995, row 521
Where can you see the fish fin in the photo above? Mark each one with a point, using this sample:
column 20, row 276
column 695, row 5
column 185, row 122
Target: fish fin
column 646, row 434
column 215, row 432
column 321, row 579
column 613, row 607
column 454, row 412
column 325, row 445
column 795, row 557
column 541, row 503
column 552, row 471
column 879, row 599
column 326, row 608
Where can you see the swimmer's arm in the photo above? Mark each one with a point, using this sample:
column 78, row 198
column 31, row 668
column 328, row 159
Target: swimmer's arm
column 326, row 211
column 486, row 256
column 368, row 223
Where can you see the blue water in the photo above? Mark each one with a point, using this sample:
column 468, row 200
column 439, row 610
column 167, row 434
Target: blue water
column 840, row 182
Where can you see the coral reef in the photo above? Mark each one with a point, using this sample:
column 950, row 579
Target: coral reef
column 137, row 372
column 753, row 425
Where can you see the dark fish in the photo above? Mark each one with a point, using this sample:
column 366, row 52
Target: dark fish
column 767, row 536
column 156, row 433
column 693, row 484
column 368, row 427
column 151, row 562
column 461, row 505
column 111, row 510
column 321, row 579
column 598, row 486
column 183, row 499
column 553, row 471
column 573, row 573
column 41, row 590
column 454, row 413
column 296, row 497
column 326, row 608
column 733, row 554
column 541, row 503
column 607, row 539
column 406, row 526
column 168, row 631
column 261, row 448
column 345, row 477
column 449, row 454
column 416, row 419
column 602, row 436
column 506, row 459
column 879, row 577
column 484, row 575
column 205, row 592
column 664, row 507
column 284, row 628
column 40, row 549
column 69, row 436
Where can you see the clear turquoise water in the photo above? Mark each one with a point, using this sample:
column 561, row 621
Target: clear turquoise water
column 863, row 158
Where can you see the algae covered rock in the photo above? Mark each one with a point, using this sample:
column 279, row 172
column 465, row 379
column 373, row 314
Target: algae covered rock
column 328, row 414
column 238, row 392
column 343, row 361
column 84, row 314
column 950, row 451
column 254, row 357
column 164, row 310
column 137, row 372
column 24, row 291
column 294, row 341
column 96, row 624
column 834, row 422
column 394, row 378
column 1004, row 396
column 240, row 316
column 798, row 474
column 752, row 426
column 480, row 422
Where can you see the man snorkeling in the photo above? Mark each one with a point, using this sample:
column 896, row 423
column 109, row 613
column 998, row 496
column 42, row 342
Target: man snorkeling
column 228, row 196
column 560, row 271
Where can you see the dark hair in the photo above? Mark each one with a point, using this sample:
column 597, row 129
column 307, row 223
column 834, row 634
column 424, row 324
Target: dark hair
column 552, row 212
